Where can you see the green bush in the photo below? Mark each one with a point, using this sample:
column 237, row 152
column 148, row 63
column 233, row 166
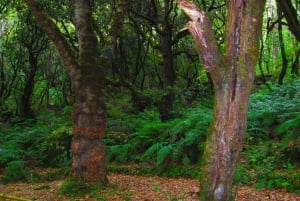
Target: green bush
column 179, row 140
column 21, row 142
column 274, row 110
column 15, row 171
column 56, row 146
column 76, row 188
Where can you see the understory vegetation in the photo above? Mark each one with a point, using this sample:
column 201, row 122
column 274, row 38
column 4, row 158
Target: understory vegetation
column 140, row 143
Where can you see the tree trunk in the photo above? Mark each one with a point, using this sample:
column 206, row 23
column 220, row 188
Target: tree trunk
column 290, row 14
column 232, row 74
column 295, row 66
column 284, row 60
column 86, row 72
column 89, row 113
column 166, row 104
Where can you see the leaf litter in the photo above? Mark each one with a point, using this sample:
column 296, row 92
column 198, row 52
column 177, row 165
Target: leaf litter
column 139, row 188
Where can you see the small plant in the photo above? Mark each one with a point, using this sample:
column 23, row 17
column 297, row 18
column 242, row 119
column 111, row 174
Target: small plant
column 74, row 188
column 15, row 171
column 56, row 146
column 166, row 195
column 60, row 173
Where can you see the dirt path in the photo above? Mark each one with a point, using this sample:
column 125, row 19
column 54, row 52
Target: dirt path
column 138, row 188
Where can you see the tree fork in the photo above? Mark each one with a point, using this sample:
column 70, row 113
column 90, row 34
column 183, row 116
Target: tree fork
column 232, row 74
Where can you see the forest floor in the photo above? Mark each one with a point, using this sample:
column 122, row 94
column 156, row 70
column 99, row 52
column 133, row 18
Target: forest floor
column 137, row 188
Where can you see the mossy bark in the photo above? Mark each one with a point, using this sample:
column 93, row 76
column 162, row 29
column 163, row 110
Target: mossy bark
column 232, row 74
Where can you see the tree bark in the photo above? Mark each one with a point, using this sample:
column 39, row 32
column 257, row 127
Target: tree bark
column 232, row 74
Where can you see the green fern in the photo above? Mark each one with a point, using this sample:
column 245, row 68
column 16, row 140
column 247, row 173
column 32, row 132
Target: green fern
column 191, row 137
column 119, row 153
column 290, row 125
column 164, row 152
column 151, row 151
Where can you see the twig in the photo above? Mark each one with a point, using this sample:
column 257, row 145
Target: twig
column 11, row 197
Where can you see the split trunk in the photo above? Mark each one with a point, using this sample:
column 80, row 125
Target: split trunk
column 232, row 74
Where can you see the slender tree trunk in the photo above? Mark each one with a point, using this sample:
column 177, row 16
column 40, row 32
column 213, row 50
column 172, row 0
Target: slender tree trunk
column 291, row 16
column 232, row 74
column 262, row 74
column 25, row 107
column 167, row 101
column 295, row 66
column 282, row 48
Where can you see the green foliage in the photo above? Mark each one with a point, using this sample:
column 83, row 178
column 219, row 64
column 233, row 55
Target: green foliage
column 24, row 139
column 289, row 182
column 271, row 157
column 165, row 194
column 56, row 146
column 21, row 141
column 76, row 188
column 263, row 166
column 56, row 174
column 290, row 146
column 269, row 109
column 15, row 171
column 181, row 140
column 186, row 171
column 119, row 153
column 177, row 140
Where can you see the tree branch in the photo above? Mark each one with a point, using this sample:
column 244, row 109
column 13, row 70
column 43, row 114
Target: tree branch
column 11, row 197
column 200, row 27
column 290, row 14
column 55, row 35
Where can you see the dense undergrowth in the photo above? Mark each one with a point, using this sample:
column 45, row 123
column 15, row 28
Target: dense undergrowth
column 145, row 145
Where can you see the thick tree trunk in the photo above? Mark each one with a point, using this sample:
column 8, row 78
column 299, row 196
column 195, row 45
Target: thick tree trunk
column 87, row 144
column 224, row 142
column 89, row 113
column 86, row 72
column 232, row 74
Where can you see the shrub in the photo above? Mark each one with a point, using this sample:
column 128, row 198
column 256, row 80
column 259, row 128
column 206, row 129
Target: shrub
column 76, row 188
column 15, row 171
column 179, row 140
column 56, row 146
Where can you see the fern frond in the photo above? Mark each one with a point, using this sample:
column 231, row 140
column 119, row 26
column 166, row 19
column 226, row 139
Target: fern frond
column 153, row 149
column 289, row 124
column 120, row 153
column 163, row 153
column 191, row 137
